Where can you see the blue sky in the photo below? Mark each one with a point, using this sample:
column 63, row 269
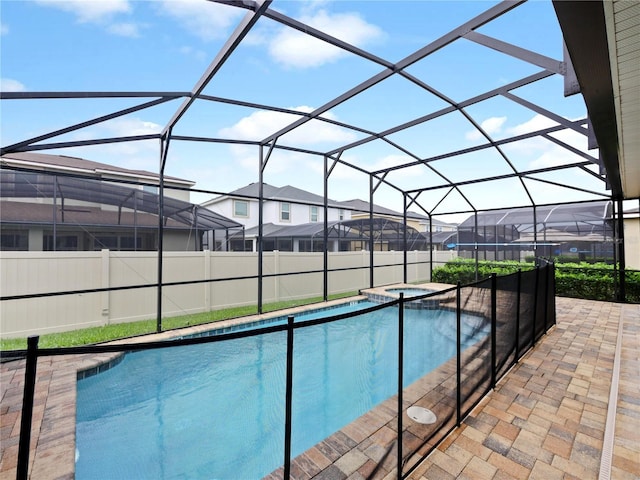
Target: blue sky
column 123, row 45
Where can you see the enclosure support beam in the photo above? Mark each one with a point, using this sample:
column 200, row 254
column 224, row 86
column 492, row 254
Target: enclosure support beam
column 325, row 234
column 371, row 241
column 475, row 239
column 55, row 213
column 430, row 248
column 621, row 294
column 235, row 38
column 164, row 150
column 78, row 126
column 404, row 238
column 528, row 56
column 535, row 232
column 476, row 22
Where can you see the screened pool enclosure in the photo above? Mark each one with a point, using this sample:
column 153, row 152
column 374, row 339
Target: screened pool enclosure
column 444, row 147
column 509, row 118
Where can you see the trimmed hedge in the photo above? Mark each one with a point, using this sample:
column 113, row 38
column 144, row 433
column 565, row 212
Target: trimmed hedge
column 577, row 280
column 464, row 270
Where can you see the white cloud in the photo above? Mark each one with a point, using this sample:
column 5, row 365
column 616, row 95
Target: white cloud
column 542, row 152
column 143, row 154
column 538, row 122
column 188, row 51
column 99, row 12
column 131, row 126
column 292, row 48
column 124, row 29
column 206, row 20
column 262, row 123
column 490, row 126
column 393, row 161
column 89, row 10
column 11, row 85
column 4, row 29
column 288, row 166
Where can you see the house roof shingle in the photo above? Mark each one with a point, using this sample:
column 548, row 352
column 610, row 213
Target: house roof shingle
column 63, row 163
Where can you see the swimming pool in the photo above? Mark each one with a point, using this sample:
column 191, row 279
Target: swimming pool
column 217, row 410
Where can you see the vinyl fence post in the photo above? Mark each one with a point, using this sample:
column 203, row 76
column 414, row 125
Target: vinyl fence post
column 27, row 408
column 400, row 385
column 288, row 400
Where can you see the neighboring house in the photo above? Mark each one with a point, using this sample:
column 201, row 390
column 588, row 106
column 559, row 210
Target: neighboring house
column 437, row 226
column 56, row 202
column 361, row 210
column 293, row 220
column 282, row 206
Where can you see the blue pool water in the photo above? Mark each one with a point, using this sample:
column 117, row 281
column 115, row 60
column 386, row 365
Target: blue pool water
column 217, row 410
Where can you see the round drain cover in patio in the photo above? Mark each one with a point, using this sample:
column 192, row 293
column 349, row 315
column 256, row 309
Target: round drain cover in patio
column 421, row 415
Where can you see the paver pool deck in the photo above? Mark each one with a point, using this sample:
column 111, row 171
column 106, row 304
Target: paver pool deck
column 546, row 419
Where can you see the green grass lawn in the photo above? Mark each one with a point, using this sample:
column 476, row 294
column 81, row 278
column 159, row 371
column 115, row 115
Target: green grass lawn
column 87, row 336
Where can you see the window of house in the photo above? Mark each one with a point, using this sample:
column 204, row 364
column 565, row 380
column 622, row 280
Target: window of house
column 313, row 214
column 105, row 241
column 311, row 245
column 268, row 244
column 117, row 242
column 240, row 208
column 285, row 212
column 285, row 245
column 239, row 245
column 63, row 243
column 341, row 214
column 14, row 241
column 130, row 243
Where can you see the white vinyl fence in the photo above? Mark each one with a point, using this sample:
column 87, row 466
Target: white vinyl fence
column 24, row 273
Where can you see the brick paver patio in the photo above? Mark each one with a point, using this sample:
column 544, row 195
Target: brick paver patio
column 545, row 420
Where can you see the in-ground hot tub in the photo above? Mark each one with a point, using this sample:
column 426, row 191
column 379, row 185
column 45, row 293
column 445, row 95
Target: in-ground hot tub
column 409, row 291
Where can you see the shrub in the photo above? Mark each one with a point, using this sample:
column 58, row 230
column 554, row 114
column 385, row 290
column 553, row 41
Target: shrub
column 464, row 270
column 593, row 281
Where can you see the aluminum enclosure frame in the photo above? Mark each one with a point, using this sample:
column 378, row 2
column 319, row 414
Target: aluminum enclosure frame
column 255, row 11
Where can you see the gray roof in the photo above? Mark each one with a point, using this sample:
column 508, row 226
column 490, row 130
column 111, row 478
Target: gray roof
column 33, row 185
column 316, row 229
column 362, row 206
column 26, row 213
column 303, row 230
column 287, row 193
column 582, row 217
column 435, row 221
column 86, row 167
